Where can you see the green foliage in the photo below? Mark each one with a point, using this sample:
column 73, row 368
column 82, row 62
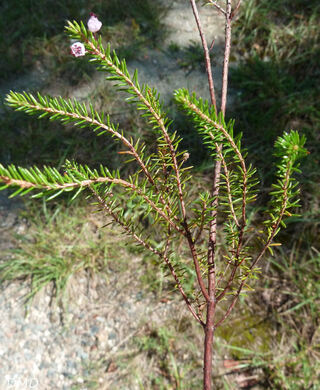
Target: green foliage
column 289, row 149
column 157, row 189
column 160, row 183
column 143, row 96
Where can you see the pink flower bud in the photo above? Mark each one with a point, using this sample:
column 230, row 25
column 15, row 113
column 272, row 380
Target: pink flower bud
column 94, row 23
column 78, row 49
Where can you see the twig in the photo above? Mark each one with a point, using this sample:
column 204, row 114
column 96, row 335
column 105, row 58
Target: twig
column 230, row 280
column 227, row 176
column 213, row 230
column 236, row 9
column 89, row 182
column 212, row 44
column 94, row 122
column 220, row 9
column 196, row 265
column 266, row 246
column 201, row 227
column 218, row 126
column 206, row 53
column 156, row 116
column 210, row 293
column 226, row 57
column 146, row 245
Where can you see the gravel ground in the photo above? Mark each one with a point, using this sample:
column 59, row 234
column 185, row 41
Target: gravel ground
column 46, row 347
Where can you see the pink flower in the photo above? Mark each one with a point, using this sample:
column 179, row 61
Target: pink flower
column 78, row 49
column 94, row 23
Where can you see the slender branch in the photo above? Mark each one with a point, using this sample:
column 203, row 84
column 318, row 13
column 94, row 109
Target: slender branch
column 223, row 273
column 93, row 122
column 226, row 57
column 236, row 9
column 214, row 3
column 161, row 125
column 235, row 266
column 197, row 265
column 207, row 119
column 88, row 182
column 213, row 237
column 267, row 244
column 210, row 293
column 146, row 245
column 216, row 180
column 230, row 280
column 156, row 116
column 201, row 227
column 166, row 248
column 227, row 175
column 206, row 53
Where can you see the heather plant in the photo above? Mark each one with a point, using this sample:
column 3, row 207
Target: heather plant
column 215, row 225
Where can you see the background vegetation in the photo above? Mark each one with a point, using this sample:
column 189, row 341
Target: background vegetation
column 278, row 85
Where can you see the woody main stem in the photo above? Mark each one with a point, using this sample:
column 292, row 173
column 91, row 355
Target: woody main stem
column 209, row 327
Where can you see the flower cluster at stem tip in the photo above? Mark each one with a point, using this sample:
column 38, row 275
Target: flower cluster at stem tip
column 94, row 25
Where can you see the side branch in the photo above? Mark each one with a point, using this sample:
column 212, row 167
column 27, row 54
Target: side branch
column 227, row 175
column 206, row 53
column 197, row 265
column 162, row 256
column 213, row 230
column 227, row 49
column 27, row 102
column 95, row 51
column 217, row 6
column 236, row 9
column 86, row 183
column 254, row 263
column 78, row 118
column 230, row 140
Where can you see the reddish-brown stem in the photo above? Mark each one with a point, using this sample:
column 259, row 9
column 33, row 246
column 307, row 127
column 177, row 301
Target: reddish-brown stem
column 236, row 9
column 226, row 58
column 211, row 303
column 220, row 9
column 209, row 327
column 146, row 245
column 206, row 53
column 208, row 344
column 196, row 264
